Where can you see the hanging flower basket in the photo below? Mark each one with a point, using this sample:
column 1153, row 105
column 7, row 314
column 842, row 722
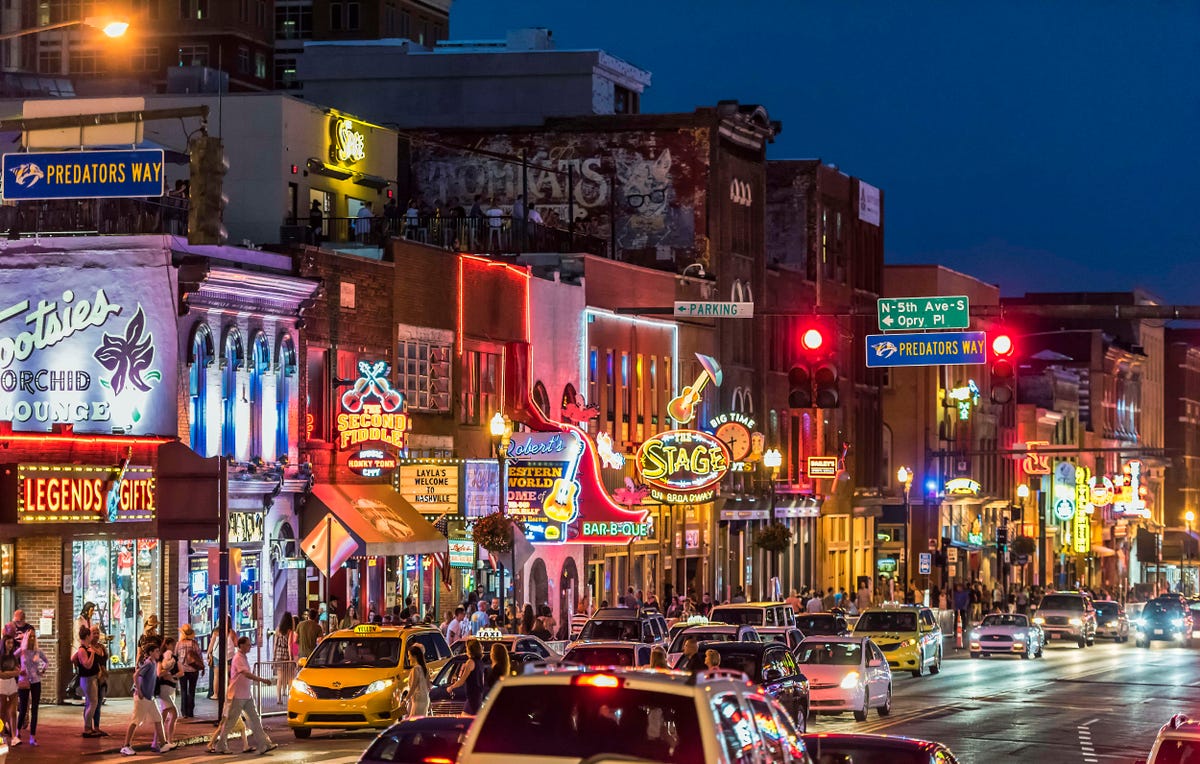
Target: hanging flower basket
column 494, row 533
column 773, row 538
column 1024, row 545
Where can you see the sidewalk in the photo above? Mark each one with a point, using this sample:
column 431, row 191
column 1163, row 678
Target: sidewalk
column 59, row 729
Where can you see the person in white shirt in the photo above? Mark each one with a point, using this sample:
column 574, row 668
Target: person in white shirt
column 814, row 605
column 481, row 619
column 454, row 630
column 242, row 702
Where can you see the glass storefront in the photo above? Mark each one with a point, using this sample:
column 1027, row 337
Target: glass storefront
column 124, row 579
column 202, row 596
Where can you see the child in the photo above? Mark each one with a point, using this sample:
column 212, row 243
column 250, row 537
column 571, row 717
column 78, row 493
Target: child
column 144, row 707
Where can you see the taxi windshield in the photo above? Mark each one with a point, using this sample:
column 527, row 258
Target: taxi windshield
column 887, row 620
column 356, row 652
column 832, row 654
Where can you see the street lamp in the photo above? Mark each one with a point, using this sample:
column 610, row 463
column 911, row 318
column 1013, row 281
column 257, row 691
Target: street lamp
column 772, row 459
column 1189, row 517
column 1022, row 491
column 110, row 26
column 499, row 427
column 904, row 476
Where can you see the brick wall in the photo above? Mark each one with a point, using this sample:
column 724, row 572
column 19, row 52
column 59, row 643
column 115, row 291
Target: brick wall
column 39, row 587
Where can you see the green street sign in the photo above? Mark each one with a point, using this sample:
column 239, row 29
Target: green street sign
column 904, row 314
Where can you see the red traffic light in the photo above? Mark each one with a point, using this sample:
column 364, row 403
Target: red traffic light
column 812, row 339
column 1002, row 345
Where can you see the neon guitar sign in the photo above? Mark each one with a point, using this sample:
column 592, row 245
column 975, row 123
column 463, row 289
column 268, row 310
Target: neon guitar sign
column 682, row 408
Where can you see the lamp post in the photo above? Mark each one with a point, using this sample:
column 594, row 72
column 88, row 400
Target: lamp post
column 110, row 26
column 1022, row 494
column 499, row 429
column 772, row 459
column 904, row 476
column 1189, row 517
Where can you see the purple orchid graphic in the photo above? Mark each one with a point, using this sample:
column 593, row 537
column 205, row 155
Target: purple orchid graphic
column 128, row 357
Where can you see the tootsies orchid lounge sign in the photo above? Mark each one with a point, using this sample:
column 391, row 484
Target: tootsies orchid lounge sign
column 90, row 344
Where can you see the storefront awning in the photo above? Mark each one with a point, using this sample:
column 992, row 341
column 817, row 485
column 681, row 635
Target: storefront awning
column 380, row 519
column 797, row 506
column 744, row 509
column 1099, row 550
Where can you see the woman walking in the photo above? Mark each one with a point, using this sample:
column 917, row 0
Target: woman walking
column 191, row 666
column 285, row 637
column 10, row 670
column 471, row 678
column 169, row 672
column 500, row 668
column 527, row 620
column 216, row 664
column 29, row 684
column 88, row 666
column 418, row 681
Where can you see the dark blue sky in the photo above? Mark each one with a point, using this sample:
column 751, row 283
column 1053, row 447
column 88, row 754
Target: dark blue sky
column 1040, row 144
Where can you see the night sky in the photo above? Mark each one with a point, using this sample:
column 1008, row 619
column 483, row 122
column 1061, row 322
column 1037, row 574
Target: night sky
column 1040, row 145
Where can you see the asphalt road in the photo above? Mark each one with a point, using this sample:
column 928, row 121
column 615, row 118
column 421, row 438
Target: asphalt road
column 1101, row 704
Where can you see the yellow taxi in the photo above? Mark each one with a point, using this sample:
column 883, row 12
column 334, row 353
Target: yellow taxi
column 908, row 635
column 357, row 678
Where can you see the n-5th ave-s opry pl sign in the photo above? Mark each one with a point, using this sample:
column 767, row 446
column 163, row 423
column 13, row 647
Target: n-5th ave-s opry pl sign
column 905, row 313
column 931, row 349
column 83, row 174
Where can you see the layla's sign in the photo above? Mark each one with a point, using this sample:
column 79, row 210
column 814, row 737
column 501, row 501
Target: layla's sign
column 431, row 488
column 349, row 145
column 95, row 354
column 371, row 462
column 681, row 465
column 58, row 493
column 372, row 410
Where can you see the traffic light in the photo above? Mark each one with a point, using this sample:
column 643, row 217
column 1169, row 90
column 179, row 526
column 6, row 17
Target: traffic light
column 1003, row 372
column 206, row 200
column 813, row 382
column 1001, row 540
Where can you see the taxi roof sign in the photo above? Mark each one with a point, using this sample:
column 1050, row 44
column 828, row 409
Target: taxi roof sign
column 366, row 628
column 489, row 633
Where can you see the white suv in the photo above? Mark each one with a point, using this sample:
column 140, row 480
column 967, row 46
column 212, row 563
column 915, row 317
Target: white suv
column 1178, row 740
column 571, row 714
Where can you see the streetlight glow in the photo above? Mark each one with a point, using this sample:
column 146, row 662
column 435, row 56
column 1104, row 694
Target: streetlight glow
column 772, row 458
column 1022, row 491
column 904, row 475
column 1190, row 516
column 115, row 28
column 497, row 425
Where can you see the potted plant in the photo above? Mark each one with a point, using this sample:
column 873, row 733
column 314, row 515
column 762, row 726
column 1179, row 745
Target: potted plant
column 773, row 539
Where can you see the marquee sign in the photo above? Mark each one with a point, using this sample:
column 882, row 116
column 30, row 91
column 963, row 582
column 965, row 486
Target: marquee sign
column 372, row 410
column 543, row 491
column 74, row 493
column 431, row 488
column 681, row 466
column 371, row 462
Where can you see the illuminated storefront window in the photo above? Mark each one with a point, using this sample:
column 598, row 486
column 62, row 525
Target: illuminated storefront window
column 123, row 578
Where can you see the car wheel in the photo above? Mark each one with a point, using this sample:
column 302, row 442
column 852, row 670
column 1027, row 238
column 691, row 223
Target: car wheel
column 1081, row 643
column 861, row 715
column 1141, row 643
column 936, row 668
column 886, row 708
column 1041, row 653
column 916, row 673
column 302, row 733
column 976, row 655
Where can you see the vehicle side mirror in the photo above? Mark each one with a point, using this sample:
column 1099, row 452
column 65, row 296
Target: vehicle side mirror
column 772, row 675
column 874, row 663
column 301, row 662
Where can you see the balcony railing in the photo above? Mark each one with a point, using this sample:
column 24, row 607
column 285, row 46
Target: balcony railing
column 493, row 236
column 78, row 217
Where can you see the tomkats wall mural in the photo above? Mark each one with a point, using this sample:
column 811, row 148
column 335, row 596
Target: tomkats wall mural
column 647, row 187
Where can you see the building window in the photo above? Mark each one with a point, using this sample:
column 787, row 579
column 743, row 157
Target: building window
column 481, row 396
column 193, row 54
column 50, row 62
column 244, row 10
column 292, row 23
column 654, row 397
column 625, row 101
column 405, row 24
column 285, row 72
column 260, row 65
column 541, row 398
column 201, row 354
column 569, row 396
column 145, row 60
column 262, row 14
column 610, row 382
column 317, row 393
column 285, row 382
column 335, row 17
column 243, row 60
column 260, row 366
column 123, row 579
column 352, row 16
column 423, row 374
column 193, row 9
column 84, row 61
column 234, row 359
column 147, row 9
column 593, row 376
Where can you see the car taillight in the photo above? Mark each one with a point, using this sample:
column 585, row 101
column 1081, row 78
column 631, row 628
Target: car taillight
column 604, row 681
column 437, row 760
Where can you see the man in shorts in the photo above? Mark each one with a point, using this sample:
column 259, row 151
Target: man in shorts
column 145, row 709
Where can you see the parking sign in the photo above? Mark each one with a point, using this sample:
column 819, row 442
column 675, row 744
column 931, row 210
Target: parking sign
column 925, row 565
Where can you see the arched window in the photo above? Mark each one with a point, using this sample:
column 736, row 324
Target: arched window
column 233, row 358
column 735, row 402
column 747, row 401
column 200, row 356
column 541, row 398
column 736, row 294
column 260, row 365
column 569, row 396
column 285, row 383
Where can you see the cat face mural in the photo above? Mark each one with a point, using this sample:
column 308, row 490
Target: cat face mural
column 647, row 212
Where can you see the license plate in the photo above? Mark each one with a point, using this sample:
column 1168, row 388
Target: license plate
column 1056, row 636
column 1157, row 631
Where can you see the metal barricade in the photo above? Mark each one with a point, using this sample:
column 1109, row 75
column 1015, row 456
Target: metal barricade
column 265, row 695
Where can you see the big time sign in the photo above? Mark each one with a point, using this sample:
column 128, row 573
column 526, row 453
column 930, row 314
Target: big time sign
column 372, row 411
column 681, row 466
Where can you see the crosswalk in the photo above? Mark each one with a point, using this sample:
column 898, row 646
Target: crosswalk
column 294, row 753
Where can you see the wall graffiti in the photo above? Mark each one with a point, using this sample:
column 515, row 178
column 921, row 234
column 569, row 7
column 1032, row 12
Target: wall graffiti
column 646, row 188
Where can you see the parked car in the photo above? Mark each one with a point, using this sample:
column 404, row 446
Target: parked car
column 1007, row 634
column 608, row 653
column 1111, row 622
column 846, row 674
column 418, row 741
column 822, row 625
column 626, row 624
column 755, row 614
column 771, row 667
column 1164, row 619
column 1067, row 616
column 567, row 714
column 893, row 749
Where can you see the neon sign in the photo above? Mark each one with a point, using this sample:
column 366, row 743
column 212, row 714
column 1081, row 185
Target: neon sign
column 384, row 418
column 350, row 146
column 682, row 408
column 1081, row 535
column 61, row 493
column 1102, row 491
column 965, row 398
column 1033, row 463
column 962, row 487
column 371, row 462
column 1129, row 500
column 679, row 465
column 544, row 492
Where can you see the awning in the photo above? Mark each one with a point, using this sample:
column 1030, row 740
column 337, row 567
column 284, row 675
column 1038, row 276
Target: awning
column 1179, row 543
column 1099, row 550
column 379, row 518
column 744, row 509
column 797, row 506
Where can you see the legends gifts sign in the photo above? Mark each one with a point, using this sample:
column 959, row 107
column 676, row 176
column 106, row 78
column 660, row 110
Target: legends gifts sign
column 89, row 339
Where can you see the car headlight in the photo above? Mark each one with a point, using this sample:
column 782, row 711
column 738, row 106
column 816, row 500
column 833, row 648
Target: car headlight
column 1039, row 620
column 379, row 685
column 1020, row 637
column 303, row 688
column 850, row 681
column 974, row 636
column 908, row 643
column 1076, row 622
column 1177, row 622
